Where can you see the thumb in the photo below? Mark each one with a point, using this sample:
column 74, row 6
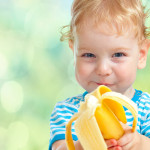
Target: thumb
column 125, row 126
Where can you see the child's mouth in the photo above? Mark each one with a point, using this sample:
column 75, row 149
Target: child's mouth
column 106, row 84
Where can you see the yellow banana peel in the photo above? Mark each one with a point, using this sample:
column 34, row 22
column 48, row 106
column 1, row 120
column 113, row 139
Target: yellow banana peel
column 99, row 117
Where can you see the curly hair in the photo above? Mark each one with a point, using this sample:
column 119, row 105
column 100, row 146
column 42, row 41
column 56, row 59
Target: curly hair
column 125, row 15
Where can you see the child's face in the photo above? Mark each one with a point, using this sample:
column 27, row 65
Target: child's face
column 102, row 59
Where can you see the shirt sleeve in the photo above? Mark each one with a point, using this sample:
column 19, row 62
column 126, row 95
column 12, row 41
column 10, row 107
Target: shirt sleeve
column 145, row 124
column 60, row 116
column 145, row 130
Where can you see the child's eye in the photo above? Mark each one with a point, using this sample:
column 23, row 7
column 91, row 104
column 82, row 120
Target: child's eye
column 118, row 55
column 88, row 55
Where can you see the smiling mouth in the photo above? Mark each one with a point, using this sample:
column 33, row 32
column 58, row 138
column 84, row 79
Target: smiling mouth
column 106, row 84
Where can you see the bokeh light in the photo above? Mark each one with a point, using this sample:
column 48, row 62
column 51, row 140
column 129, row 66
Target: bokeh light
column 18, row 136
column 3, row 138
column 11, row 96
column 37, row 70
column 3, row 66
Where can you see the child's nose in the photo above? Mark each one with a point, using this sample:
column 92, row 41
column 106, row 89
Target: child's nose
column 103, row 68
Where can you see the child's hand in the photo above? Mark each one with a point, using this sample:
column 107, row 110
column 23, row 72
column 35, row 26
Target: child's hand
column 78, row 146
column 129, row 141
column 112, row 144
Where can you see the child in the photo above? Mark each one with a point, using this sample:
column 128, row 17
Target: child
column 110, row 42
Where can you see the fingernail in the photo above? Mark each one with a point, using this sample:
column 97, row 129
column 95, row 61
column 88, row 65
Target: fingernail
column 118, row 148
column 113, row 142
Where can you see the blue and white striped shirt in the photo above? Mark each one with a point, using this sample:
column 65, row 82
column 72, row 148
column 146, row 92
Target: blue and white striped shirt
column 64, row 110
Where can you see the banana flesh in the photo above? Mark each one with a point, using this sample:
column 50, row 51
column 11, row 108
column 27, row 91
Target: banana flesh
column 99, row 117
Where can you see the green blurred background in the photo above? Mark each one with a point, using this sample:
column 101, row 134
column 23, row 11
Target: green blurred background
column 36, row 70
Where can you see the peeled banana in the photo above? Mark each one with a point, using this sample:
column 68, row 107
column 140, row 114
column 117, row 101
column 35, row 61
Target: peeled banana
column 99, row 117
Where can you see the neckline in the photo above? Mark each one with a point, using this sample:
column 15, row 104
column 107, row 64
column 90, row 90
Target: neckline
column 135, row 98
column 84, row 94
column 137, row 95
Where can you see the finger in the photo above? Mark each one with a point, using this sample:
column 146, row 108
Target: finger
column 131, row 140
column 115, row 148
column 111, row 143
column 126, row 138
column 127, row 147
column 125, row 126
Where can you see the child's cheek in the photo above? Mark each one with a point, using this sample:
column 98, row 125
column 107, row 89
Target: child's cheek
column 83, row 68
column 127, row 74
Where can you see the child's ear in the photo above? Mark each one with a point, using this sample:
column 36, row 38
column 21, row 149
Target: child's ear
column 143, row 53
column 71, row 45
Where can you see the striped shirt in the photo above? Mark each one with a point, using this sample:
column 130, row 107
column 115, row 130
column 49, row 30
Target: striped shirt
column 64, row 110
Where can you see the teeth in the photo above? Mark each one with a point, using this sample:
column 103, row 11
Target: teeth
column 99, row 119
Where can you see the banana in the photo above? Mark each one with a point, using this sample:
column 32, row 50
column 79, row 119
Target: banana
column 99, row 117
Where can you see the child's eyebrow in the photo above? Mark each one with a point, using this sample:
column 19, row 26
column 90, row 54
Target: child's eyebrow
column 120, row 48
column 114, row 49
column 83, row 49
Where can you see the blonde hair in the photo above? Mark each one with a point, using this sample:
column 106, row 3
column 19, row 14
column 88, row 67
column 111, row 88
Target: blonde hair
column 123, row 14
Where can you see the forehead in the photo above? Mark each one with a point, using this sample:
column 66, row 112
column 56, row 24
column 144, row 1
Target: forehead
column 91, row 27
column 102, row 26
column 102, row 37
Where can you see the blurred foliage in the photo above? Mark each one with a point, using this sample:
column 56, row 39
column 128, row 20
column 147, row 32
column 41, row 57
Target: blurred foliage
column 36, row 70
